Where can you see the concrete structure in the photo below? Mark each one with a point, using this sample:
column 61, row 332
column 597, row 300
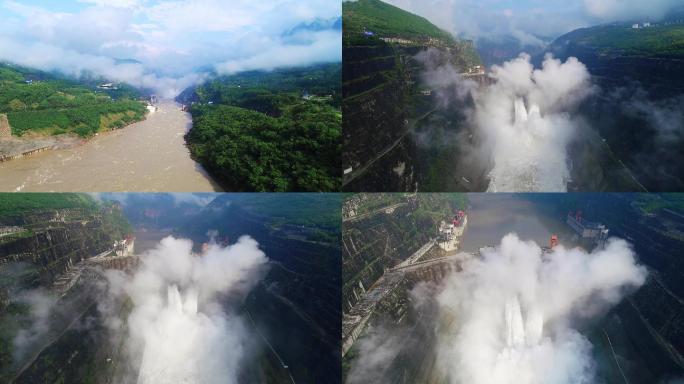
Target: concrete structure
column 120, row 257
column 417, row 254
column 450, row 233
column 6, row 231
column 587, row 230
column 5, row 129
column 434, row 270
column 397, row 40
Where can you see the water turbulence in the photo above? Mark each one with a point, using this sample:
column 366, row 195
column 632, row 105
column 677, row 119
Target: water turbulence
column 185, row 325
column 516, row 310
column 525, row 119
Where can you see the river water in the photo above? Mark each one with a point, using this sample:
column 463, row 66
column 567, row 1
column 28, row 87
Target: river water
column 148, row 156
column 491, row 216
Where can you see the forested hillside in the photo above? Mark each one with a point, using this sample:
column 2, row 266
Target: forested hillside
column 386, row 50
column 270, row 131
column 380, row 18
column 40, row 103
column 655, row 41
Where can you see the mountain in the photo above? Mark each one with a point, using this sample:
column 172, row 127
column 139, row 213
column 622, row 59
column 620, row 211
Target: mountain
column 652, row 54
column 498, row 51
column 46, row 241
column 48, row 104
column 636, row 108
column 275, row 131
column 385, row 53
column 387, row 20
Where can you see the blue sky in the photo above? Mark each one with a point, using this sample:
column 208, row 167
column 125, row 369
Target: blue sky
column 531, row 21
column 176, row 43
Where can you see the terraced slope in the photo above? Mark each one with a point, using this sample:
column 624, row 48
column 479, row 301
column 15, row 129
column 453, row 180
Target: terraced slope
column 40, row 103
column 382, row 91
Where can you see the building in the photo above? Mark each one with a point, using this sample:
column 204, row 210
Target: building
column 124, row 247
column 554, row 241
column 587, row 230
column 450, row 233
column 6, row 231
column 635, row 26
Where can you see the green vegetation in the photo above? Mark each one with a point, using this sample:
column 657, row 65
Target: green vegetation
column 315, row 210
column 36, row 102
column 276, row 131
column 665, row 41
column 11, row 203
column 651, row 202
column 387, row 21
column 114, row 221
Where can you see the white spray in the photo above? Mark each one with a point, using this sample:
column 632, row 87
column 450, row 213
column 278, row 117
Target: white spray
column 525, row 120
column 515, row 310
column 179, row 331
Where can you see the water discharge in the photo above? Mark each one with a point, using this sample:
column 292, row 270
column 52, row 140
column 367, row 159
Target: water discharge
column 517, row 310
column 148, row 156
column 526, row 121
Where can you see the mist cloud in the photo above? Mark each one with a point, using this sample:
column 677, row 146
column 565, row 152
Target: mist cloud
column 167, row 46
column 532, row 23
column 41, row 305
column 181, row 328
column 526, row 119
column 516, row 311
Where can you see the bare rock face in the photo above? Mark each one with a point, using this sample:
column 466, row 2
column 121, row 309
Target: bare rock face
column 5, row 130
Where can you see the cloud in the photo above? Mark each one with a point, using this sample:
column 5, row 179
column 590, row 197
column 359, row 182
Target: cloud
column 517, row 310
column 41, row 305
column 612, row 10
column 326, row 44
column 199, row 199
column 181, row 328
column 167, row 45
column 376, row 351
column 532, row 23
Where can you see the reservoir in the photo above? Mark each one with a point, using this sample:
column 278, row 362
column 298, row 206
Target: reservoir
column 148, row 156
column 491, row 216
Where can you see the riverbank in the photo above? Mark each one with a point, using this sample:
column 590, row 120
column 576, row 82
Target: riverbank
column 12, row 148
column 147, row 156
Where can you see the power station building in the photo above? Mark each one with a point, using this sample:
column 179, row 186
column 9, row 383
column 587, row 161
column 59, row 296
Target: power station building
column 587, row 230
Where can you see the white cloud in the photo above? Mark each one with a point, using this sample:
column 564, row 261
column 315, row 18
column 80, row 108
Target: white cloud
column 170, row 39
column 531, row 22
column 611, row 10
column 325, row 46
column 114, row 3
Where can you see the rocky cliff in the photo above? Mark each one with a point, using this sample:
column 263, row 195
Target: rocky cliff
column 636, row 108
column 384, row 230
column 43, row 240
column 383, row 95
column 52, row 241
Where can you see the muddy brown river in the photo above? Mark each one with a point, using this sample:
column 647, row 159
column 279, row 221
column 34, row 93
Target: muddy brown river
column 148, row 156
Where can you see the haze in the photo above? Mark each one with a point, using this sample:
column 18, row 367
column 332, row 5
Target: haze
column 532, row 22
column 168, row 45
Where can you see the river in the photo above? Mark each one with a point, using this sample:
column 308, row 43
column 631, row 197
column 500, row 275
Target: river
column 491, row 216
column 148, row 156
